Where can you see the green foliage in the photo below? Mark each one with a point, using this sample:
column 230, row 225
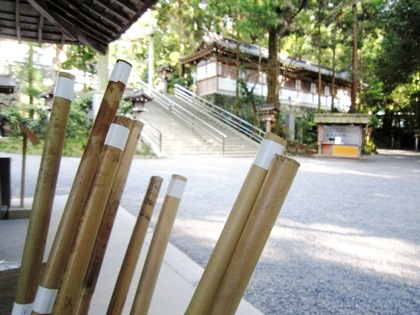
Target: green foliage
column 81, row 57
column 15, row 116
column 399, row 58
column 249, row 103
column 306, row 129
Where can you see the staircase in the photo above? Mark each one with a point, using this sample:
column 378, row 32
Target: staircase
column 176, row 126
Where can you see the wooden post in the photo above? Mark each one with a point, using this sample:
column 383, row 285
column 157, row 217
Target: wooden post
column 125, row 276
column 75, row 205
column 27, row 133
column 23, row 174
column 36, row 235
column 210, row 280
column 254, row 235
column 108, row 219
column 78, row 261
column 158, row 245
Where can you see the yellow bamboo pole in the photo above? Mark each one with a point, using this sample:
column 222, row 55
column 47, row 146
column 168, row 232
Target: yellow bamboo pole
column 125, row 276
column 76, row 201
column 207, row 287
column 78, row 261
column 108, row 219
column 36, row 236
column 254, row 235
column 158, row 245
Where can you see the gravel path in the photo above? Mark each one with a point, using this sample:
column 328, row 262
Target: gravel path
column 347, row 240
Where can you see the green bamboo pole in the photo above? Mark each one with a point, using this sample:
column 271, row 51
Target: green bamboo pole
column 36, row 236
column 135, row 245
column 210, row 280
column 76, row 201
column 156, row 252
column 254, row 235
column 78, row 261
column 108, row 219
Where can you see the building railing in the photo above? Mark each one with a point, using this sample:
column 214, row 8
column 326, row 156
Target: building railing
column 219, row 113
column 189, row 119
column 153, row 135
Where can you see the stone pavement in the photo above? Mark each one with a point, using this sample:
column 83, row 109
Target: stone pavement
column 347, row 240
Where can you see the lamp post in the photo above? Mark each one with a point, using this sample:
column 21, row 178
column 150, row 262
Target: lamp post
column 138, row 101
column 267, row 114
column 48, row 96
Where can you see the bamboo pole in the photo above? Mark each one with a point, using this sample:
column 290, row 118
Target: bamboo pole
column 156, row 252
column 76, row 201
column 207, row 287
column 254, row 235
column 108, row 219
column 78, row 261
column 36, row 236
column 125, row 275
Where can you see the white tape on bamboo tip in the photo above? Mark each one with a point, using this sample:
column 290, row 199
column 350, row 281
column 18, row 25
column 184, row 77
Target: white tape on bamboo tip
column 44, row 300
column 117, row 136
column 121, row 72
column 176, row 186
column 65, row 86
column 22, row 309
column 269, row 148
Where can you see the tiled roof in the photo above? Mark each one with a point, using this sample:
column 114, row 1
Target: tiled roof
column 342, row 118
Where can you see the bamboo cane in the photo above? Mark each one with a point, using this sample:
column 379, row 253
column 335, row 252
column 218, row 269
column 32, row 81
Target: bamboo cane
column 254, row 235
column 108, row 219
column 206, row 290
column 125, row 276
column 79, row 258
column 36, row 236
column 155, row 254
column 73, row 210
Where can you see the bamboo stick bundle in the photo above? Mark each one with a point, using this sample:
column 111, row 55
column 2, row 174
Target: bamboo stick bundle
column 108, row 218
column 75, row 205
column 125, row 275
column 210, row 280
column 36, row 236
column 78, row 261
column 254, row 235
column 156, row 252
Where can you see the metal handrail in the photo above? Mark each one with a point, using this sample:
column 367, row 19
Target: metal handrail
column 189, row 118
column 216, row 111
column 155, row 136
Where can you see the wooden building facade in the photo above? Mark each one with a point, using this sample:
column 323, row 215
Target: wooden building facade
column 217, row 72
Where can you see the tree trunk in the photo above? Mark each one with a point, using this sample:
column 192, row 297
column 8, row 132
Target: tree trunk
column 355, row 75
column 181, row 37
column 273, row 70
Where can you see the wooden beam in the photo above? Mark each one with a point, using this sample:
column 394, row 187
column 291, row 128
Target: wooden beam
column 43, row 10
column 127, row 5
column 41, row 24
column 17, row 19
column 67, row 28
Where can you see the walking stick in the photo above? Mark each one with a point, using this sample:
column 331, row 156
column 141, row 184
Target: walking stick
column 78, row 261
column 108, row 219
column 210, row 280
column 158, row 245
column 36, row 236
column 254, row 235
column 125, row 276
column 79, row 192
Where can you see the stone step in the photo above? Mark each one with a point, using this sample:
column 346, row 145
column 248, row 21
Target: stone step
column 180, row 139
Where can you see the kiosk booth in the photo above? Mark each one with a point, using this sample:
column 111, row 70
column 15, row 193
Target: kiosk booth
column 340, row 134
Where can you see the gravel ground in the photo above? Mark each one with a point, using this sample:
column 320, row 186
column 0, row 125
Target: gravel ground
column 347, row 240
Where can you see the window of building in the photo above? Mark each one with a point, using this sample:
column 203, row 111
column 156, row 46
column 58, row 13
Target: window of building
column 298, row 85
column 313, row 88
column 327, row 90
